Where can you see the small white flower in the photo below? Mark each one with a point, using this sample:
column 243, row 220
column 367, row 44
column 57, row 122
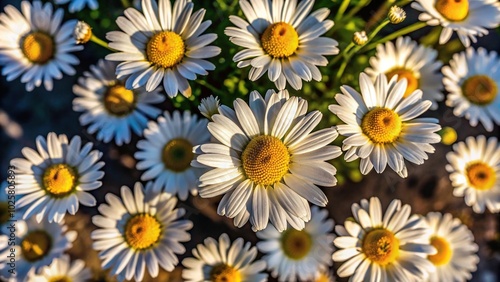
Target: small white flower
column 474, row 167
column 78, row 5
column 82, row 32
column 223, row 261
column 209, row 106
column 62, row 269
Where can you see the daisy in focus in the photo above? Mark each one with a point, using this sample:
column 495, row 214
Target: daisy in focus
column 468, row 18
column 109, row 108
column 62, row 270
column 209, row 106
column 299, row 255
column 162, row 43
column 224, row 261
column 78, row 5
column 456, row 251
column 282, row 39
column 36, row 246
column 472, row 80
column 382, row 126
column 139, row 231
column 474, row 167
column 383, row 247
column 57, row 177
column 417, row 63
column 266, row 162
column 167, row 151
column 36, row 45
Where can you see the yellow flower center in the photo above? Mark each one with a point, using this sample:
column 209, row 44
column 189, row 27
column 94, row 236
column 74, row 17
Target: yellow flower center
column 142, row 231
column 453, row 10
column 380, row 246
column 265, row 160
column 322, row 278
column 178, row 154
column 224, row 273
column 165, row 49
column 4, row 212
column 38, row 47
column 444, row 251
column 59, row 180
column 60, row 278
column 36, row 245
column 480, row 89
column 381, row 125
column 413, row 81
column 119, row 101
column 296, row 244
column 280, row 40
column 481, row 176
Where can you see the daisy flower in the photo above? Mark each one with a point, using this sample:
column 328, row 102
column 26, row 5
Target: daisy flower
column 282, row 38
column 61, row 269
column 162, row 43
column 167, row 151
column 473, row 87
column 35, row 46
column 474, row 167
column 324, row 276
column 417, row 63
column 109, row 108
column 223, row 261
column 138, row 230
column 209, row 106
column 78, row 5
column 299, row 254
column 56, row 177
column 266, row 162
column 37, row 244
column 383, row 247
column 456, row 251
column 382, row 125
column 469, row 18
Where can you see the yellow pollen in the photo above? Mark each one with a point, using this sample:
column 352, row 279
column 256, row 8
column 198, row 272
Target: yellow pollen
column 480, row 89
column 38, row 47
column 60, row 278
column 36, row 245
column 453, row 10
column 413, row 82
column 481, row 176
column 119, row 101
column 4, row 212
column 322, row 278
column 224, row 273
column 165, row 49
column 381, row 125
column 280, row 40
column 59, row 180
column 444, row 251
column 265, row 160
column 296, row 244
column 380, row 246
column 178, row 154
column 142, row 231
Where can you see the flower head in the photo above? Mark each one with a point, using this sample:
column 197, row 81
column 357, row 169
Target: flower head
column 396, row 14
column 62, row 270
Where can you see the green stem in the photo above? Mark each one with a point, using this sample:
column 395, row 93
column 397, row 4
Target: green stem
column 343, row 54
column 126, row 4
column 340, row 12
column 211, row 87
column 401, row 32
column 100, row 42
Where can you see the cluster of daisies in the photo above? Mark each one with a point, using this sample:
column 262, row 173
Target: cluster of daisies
column 262, row 158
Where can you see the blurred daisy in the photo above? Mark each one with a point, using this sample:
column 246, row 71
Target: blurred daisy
column 162, row 43
column 266, row 161
column 209, row 106
column 78, row 5
column 35, row 46
column 469, row 18
column 61, row 270
column 109, row 108
column 167, row 151
column 455, row 258
column 417, row 63
column 474, row 167
column 57, row 177
column 139, row 229
column 473, row 87
column 299, row 254
column 36, row 246
column 382, row 125
column 223, row 261
column 281, row 38
column 383, row 247
column 324, row 276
